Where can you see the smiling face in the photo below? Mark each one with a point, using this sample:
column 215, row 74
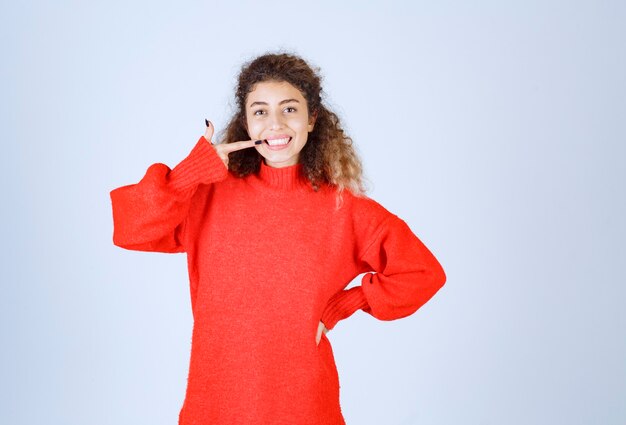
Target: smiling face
column 278, row 112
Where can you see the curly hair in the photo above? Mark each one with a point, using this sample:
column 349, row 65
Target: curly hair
column 328, row 157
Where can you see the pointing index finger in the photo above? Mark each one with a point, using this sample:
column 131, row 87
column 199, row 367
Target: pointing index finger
column 235, row 146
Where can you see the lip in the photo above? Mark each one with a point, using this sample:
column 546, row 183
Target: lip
column 278, row 147
column 278, row 136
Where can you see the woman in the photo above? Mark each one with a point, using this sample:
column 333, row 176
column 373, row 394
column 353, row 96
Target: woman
column 273, row 238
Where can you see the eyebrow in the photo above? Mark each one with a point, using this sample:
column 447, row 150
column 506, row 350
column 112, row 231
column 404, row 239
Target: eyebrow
column 280, row 103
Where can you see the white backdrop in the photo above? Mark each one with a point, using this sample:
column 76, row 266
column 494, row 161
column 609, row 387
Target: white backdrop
column 494, row 129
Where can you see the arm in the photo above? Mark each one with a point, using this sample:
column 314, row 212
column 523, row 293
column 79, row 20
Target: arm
column 150, row 215
column 406, row 276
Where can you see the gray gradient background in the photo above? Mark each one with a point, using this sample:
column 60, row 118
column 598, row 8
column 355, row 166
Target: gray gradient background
column 496, row 130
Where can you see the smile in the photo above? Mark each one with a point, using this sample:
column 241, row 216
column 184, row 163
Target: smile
column 278, row 142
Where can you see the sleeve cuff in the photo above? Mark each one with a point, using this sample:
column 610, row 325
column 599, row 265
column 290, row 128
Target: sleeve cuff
column 202, row 165
column 342, row 304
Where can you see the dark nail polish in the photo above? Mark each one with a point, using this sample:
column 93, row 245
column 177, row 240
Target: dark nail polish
column 258, row 142
column 207, row 122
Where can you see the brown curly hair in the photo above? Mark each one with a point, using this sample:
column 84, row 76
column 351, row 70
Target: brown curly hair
column 327, row 157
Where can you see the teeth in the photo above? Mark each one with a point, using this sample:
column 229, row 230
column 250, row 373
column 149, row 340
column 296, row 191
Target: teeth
column 276, row 142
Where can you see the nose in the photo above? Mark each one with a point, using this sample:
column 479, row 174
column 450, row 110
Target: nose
column 276, row 121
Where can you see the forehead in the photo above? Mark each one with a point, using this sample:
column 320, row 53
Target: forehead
column 273, row 92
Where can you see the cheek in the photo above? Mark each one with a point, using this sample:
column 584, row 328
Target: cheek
column 302, row 126
column 253, row 128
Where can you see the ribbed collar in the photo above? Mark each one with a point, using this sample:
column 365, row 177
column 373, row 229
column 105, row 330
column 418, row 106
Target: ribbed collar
column 288, row 178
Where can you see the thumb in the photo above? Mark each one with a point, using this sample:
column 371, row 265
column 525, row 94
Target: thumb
column 320, row 328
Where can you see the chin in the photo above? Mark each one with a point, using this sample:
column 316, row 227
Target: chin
column 280, row 160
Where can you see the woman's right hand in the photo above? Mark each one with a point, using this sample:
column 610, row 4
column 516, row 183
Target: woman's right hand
column 223, row 149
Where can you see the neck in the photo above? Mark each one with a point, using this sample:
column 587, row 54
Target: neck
column 286, row 177
column 278, row 164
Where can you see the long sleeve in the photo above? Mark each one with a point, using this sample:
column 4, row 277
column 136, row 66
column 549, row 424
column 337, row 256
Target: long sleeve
column 150, row 215
column 403, row 275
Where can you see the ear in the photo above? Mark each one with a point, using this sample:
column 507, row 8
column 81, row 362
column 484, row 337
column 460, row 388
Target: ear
column 312, row 120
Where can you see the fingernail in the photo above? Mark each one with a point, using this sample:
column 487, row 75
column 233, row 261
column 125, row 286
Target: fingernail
column 207, row 122
column 258, row 142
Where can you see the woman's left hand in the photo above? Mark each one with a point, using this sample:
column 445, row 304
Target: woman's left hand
column 320, row 328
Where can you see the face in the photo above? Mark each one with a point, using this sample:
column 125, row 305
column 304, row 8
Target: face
column 278, row 112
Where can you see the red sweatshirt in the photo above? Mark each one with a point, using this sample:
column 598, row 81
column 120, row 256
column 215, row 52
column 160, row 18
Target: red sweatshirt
column 268, row 258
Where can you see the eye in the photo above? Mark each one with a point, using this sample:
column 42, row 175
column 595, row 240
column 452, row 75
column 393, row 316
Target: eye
column 290, row 109
column 259, row 112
